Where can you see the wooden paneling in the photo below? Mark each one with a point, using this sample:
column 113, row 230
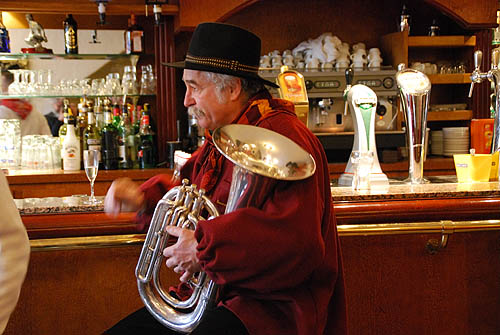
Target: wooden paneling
column 87, row 7
column 432, row 209
column 75, row 292
column 192, row 12
column 394, row 286
column 470, row 14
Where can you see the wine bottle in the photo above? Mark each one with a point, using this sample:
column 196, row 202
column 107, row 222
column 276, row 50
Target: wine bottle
column 81, row 123
column 70, row 35
column 92, row 136
column 134, row 37
column 124, row 145
column 109, row 146
column 71, row 150
column 4, row 37
column 146, row 144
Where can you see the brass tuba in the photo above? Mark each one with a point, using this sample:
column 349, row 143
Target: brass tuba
column 259, row 156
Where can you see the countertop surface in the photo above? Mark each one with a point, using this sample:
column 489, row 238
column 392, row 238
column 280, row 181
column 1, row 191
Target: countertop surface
column 439, row 187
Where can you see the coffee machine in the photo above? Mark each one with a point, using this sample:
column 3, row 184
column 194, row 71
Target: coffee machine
column 325, row 89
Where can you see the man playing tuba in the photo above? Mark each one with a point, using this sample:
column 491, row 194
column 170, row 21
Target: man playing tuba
column 278, row 267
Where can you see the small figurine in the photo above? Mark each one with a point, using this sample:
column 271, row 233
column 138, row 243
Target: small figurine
column 36, row 37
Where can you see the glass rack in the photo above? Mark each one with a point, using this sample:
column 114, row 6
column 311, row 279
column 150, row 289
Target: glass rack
column 15, row 56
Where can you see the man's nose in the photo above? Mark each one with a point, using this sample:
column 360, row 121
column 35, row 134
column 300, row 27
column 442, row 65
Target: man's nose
column 188, row 100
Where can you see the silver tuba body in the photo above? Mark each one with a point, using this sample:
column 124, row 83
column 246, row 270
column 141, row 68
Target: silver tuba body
column 259, row 156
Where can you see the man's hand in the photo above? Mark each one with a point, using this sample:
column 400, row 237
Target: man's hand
column 123, row 195
column 182, row 255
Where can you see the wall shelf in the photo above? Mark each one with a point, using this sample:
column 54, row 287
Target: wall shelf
column 441, row 41
column 452, row 115
column 452, row 78
column 14, row 56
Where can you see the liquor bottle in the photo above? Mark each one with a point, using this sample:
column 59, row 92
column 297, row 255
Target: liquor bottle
column 125, row 141
column 71, row 150
column 99, row 114
column 146, row 144
column 92, row 136
column 81, row 123
column 68, row 118
column 109, row 147
column 116, row 115
column 70, row 35
column 134, row 37
column 4, row 37
column 136, row 124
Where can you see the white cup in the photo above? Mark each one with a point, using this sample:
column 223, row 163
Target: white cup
column 359, row 46
column 313, row 63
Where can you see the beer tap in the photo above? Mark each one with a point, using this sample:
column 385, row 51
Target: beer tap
column 349, row 76
column 493, row 75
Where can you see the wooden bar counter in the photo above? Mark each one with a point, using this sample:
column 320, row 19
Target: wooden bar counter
column 421, row 259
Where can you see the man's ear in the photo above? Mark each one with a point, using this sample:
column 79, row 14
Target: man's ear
column 235, row 90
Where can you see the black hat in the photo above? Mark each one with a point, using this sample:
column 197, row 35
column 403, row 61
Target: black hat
column 224, row 48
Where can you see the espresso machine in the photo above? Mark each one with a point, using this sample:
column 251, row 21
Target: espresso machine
column 325, row 90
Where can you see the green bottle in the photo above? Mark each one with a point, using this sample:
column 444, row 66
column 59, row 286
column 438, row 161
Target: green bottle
column 109, row 145
column 146, row 142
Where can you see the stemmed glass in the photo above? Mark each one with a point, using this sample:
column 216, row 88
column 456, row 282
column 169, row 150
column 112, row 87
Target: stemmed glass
column 91, row 165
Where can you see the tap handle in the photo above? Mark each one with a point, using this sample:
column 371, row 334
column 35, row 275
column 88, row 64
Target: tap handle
column 476, row 74
column 495, row 58
column 478, row 59
column 471, row 89
column 349, row 77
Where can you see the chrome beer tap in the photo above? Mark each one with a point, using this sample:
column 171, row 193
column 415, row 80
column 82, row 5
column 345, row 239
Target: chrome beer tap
column 492, row 75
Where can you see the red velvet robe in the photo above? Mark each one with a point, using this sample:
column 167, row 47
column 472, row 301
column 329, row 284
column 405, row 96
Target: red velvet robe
column 278, row 267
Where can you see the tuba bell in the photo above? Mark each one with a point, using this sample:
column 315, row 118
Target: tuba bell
column 259, row 156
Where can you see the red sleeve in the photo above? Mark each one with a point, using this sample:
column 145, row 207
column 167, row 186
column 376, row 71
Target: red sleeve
column 154, row 189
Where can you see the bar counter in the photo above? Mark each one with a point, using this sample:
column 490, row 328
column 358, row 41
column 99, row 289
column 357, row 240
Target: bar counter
column 421, row 259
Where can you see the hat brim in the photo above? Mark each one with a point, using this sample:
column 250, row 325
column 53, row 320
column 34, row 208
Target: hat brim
column 201, row 67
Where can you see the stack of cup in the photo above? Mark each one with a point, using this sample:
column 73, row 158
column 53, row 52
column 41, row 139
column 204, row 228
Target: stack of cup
column 437, row 142
column 455, row 140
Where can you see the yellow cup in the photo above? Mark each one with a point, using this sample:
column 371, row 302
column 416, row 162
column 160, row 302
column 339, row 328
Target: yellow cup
column 494, row 167
column 473, row 168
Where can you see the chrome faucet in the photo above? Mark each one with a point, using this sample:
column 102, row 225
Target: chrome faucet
column 492, row 75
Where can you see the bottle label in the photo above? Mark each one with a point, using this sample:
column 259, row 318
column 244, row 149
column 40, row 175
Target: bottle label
column 71, row 157
column 136, row 37
column 70, row 38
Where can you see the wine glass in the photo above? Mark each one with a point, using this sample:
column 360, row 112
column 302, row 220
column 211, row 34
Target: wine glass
column 91, row 165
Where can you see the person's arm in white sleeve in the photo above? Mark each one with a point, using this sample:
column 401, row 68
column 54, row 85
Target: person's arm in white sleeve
column 14, row 253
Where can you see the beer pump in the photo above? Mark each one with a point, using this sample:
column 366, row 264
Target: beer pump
column 415, row 90
column 362, row 103
column 492, row 75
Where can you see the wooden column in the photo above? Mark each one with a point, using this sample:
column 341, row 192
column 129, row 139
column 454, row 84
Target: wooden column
column 166, row 115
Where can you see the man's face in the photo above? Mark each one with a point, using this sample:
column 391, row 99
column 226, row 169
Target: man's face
column 202, row 101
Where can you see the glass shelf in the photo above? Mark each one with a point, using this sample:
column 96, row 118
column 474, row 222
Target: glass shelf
column 14, row 56
column 71, row 96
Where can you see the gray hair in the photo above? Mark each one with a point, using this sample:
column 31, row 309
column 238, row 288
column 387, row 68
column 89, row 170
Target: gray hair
column 222, row 81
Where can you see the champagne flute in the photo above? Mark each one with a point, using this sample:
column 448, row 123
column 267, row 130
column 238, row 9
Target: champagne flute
column 91, row 165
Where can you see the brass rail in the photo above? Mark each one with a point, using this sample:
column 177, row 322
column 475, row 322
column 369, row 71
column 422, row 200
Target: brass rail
column 87, row 242
column 443, row 227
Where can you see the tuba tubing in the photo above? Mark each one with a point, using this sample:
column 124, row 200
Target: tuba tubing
column 260, row 156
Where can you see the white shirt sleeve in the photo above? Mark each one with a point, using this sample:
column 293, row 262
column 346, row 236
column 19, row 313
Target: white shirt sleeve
column 14, row 253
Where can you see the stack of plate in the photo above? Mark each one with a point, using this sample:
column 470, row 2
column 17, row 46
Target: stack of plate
column 437, row 142
column 455, row 140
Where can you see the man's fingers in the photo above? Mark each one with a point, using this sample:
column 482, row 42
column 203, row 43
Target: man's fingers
column 174, row 231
